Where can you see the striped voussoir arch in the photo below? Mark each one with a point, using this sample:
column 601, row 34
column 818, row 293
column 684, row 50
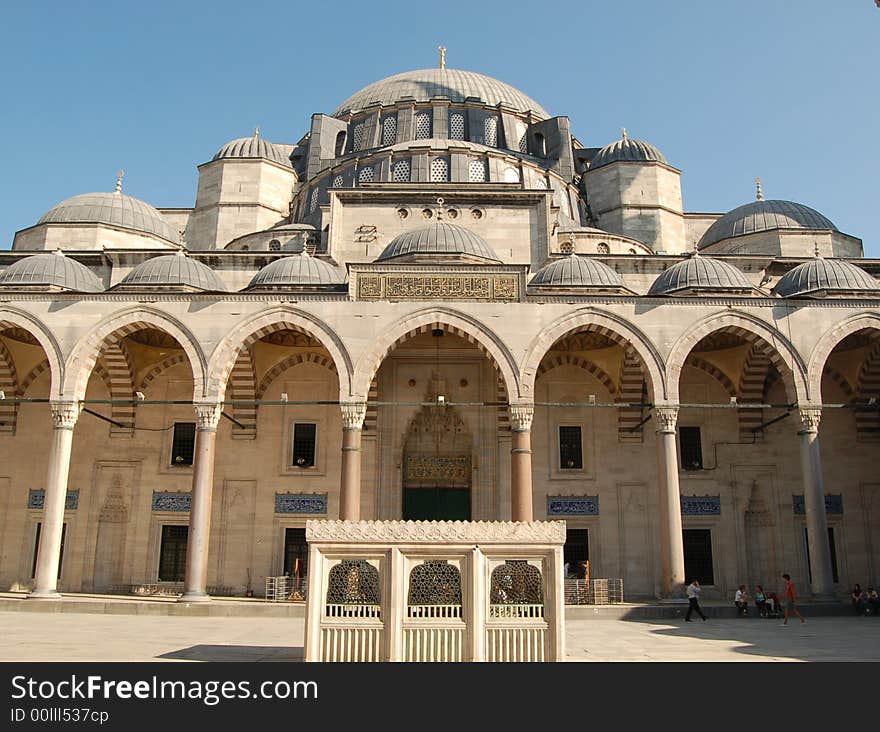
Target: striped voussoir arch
column 566, row 359
column 163, row 365
column 751, row 390
column 632, row 390
column 243, row 384
column 282, row 366
column 868, row 417
column 116, row 362
column 371, row 419
column 8, row 385
column 503, row 413
column 713, row 371
column 33, row 375
column 451, row 329
column 842, row 382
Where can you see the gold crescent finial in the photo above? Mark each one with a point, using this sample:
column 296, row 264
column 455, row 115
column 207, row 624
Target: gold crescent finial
column 119, row 176
column 623, row 131
column 759, row 194
column 256, row 131
column 442, row 50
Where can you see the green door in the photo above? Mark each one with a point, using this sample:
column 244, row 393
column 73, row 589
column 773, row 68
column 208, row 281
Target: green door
column 437, row 504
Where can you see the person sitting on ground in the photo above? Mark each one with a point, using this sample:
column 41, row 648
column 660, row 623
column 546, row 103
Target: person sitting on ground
column 859, row 600
column 741, row 600
column 761, row 601
column 873, row 601
column 773, row 605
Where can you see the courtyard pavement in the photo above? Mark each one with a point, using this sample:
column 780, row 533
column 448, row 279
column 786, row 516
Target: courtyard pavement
column 69, row 636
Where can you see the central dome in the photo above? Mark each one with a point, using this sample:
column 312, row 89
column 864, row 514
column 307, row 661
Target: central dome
column 450, row 84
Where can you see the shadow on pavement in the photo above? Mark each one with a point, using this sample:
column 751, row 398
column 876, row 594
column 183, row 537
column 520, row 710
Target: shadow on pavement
column 281, row 654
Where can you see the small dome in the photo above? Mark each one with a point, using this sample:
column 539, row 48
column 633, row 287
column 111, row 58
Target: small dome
column 436, row 239
column 764, row 215
column 173, row 270
column 453, row 85
column 113, row 209
column 825, row 276
column 699, row 273
column 577, row 271
column 298, row 270
column 627, row 150
column 253, row 147
column 50, row 270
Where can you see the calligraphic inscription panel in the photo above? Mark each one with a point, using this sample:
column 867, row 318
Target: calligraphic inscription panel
column 438, row 287
column 437, row 469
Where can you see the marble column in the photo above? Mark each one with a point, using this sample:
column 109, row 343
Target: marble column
column 64, row 416
column 672, row 542
column 814, row 503
column 521, row 501
column 353, row 414
column 195, row 586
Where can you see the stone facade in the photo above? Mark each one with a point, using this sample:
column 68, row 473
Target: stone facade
column 435, row 386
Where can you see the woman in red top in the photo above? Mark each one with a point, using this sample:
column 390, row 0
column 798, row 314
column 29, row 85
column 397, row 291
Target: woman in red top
column 790, row 600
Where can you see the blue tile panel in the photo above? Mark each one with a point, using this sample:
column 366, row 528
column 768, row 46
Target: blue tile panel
column 37, row 497
column 166, row 501
column 572, row 505
column 833, row 503
column 700, row 505
column 301, row 503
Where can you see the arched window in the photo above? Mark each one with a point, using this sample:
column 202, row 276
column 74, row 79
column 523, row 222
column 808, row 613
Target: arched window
column 358, row 137
column 540, row 145
column 490, row 131
column 423, row 125
column 389, row 130
column 400, row 171
column 477, row 171
column 511, row 174
column 456, row 126
column 313, row 202
column 338, row 181
column 340, row 143
column 366, row 175
column 274, row 246
column 603, row 248
column 439, row 170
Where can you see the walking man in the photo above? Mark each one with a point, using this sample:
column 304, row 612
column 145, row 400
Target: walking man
column 693, row 593
column 790, row 600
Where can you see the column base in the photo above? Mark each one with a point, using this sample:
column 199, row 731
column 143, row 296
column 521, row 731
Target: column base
column 194, row 597
column 44, row 595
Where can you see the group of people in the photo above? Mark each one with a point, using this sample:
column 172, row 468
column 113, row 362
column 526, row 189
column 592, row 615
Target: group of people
column 768, row 603
column 865, row 602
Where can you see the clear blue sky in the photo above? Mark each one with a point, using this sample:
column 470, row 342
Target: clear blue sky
column 728, row 90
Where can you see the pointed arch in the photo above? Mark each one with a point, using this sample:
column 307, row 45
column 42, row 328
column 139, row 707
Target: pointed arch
column 281, row 318
column 294, row 360
column 424, row 321
column 549, row 363
column 752, row 387
column 113, row 329
column 829, row 340
column 14, row 318
column 782, row 353
column 244, row 388
column 712, row 370
column 842, row 382
column 120, row 380
column 10, row 386
column 33, row 375
column 632, row 391
column 163, row 365
column 868, row 416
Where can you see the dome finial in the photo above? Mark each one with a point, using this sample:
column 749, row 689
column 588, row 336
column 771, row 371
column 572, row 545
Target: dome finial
column 816, row 248
column 759, row 193
column 696, row 248
column 257, row 132
column 119, row 176
column 623, row 132
column 442, row 50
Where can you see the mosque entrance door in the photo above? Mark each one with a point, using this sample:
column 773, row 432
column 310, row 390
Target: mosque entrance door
column 437, row 488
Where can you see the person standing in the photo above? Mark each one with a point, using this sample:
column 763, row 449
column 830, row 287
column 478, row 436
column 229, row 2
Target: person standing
column 790, row 600
column 693, row 594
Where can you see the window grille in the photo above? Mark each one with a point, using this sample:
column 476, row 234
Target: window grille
column 358, row 137
column 524, row 143
column 389, row 130
column 490, row 131
column 400, row 171
column 313, row 202
column 304, row 439
column 456, row 126
column 511, row 175
column 338, row 181
column 183, row 443
column 439, row 170
column 541, row 184
column 603, row 248
column 477, row 172
column 570, row 452
column 366, row 175
column 274, row 246
column 423, row 125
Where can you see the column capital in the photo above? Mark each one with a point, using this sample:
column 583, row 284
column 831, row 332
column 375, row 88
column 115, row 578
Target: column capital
column 666, row 418
column 521, row 416
column 65, row 414
column 208, row 416
column 810, row 418
column 353, row 414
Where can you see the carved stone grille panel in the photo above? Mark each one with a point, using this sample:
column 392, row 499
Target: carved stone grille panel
column 478, row 171
column 524, row 143
column 400, row 171
column 358, row 137
column 511, row 175
column 389, row 130
column 423, row 125
column 439, row 170
column 456, row 126
column 366, row 175
column 434, row 582
column 313, row 202
column 338, row 181
column 516, row 582
column 490, row 131
column 353, row 582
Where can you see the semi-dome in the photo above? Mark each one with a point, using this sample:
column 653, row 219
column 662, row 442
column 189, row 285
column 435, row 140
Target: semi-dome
column 820, row 276
column 50, row 270
column 577, row 271
column 700, row 274
column 627, row 150
column 438, row 240
column 252, row 147
column 113, row 209
column 173, row 270
column 298, row 270
column 454, row 85
column 762, row 215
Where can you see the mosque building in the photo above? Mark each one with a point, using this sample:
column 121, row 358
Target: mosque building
column 437, row 304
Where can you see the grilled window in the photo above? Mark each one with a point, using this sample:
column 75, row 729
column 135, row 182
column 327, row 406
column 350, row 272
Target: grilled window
column 439, row 170
column 570, row 452
column 358, row 137
column 172, row 553
column 366, row 175
column 400, row 171
column 313, row 203
column 691, row 448
column 477, row 171
column 698, row 556
column 389, row 130
column 183, row 443
column 456, row 126
column 511, row 175
column 304, row 437
column 490, row 131
column 338, row 181
column 423, row 125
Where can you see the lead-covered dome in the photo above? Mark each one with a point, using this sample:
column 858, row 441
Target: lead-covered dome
column 700, row 274
column 112, row 209
column 439, row 240
column 253, row 147
column 820, row 276
column 50, row 271
column 762, row 215
column 454, row 85
column 577, row 271
column 627, row 150
column 174, row 271
column 298, row 270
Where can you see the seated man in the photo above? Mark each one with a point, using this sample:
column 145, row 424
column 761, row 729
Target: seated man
column 873, row 601
column 741, row 600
